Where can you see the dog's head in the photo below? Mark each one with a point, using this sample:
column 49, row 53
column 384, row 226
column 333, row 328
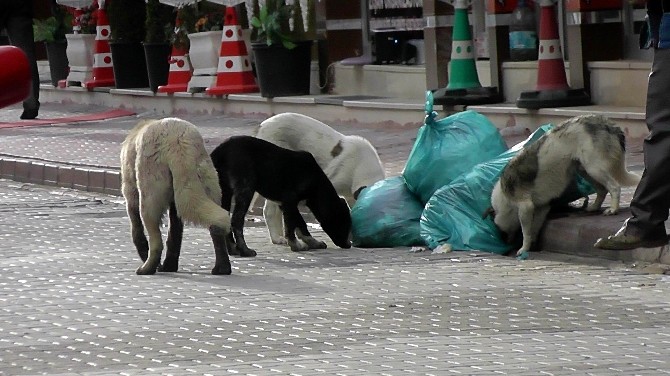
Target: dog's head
column 335, row 219
column 505, row 215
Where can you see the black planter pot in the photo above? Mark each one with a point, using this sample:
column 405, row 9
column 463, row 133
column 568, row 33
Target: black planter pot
column 282, row 72
column 58, row 64
column 158, row 67
column 130, row 67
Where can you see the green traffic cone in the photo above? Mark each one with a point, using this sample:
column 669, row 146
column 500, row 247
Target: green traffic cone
column 464, row 87
column 463, row 71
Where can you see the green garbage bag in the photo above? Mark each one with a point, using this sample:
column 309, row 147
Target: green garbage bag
column 448, row 147
column 386, row 214
column 454, row 213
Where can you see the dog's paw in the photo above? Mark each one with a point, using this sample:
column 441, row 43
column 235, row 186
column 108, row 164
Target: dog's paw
column 298, row 246
column 223, row 269
column 522, row 255
column 146, row 269
column 248, row 253
column 315, row 244
column 610, row 211
column 243, row 252
column 279, row 240
column 169, row 265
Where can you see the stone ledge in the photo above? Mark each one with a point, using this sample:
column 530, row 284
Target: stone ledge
column 66, row 176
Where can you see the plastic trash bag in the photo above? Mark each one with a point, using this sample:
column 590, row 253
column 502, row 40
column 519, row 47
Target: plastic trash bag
column 454, row 213
column 446, row 148
column 386, row 214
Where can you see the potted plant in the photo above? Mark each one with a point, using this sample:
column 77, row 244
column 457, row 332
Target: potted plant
column 282, row 56
column 204, row 37
column 52, row 32
column 81, row 43
column 127, row 25
column 156, row 43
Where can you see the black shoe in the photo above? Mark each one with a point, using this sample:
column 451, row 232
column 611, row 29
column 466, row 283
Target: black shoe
column 623, row 242
column 29, row 114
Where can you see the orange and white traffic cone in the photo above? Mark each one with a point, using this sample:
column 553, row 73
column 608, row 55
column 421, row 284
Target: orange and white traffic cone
column 233, row 74
column 179, row 74
column 103, row 71
column 552, row 88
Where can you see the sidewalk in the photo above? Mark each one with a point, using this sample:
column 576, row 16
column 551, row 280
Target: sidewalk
column 85, row 156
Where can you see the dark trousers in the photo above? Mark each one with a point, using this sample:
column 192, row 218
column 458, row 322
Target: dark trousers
column 19, row 25
column 651, row 201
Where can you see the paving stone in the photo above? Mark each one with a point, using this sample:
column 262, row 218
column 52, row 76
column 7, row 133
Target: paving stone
column 70, row 302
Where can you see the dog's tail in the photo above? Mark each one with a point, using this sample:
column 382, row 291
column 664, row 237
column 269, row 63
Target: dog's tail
column 197, row 193
column 627, row 179
column 623, row 176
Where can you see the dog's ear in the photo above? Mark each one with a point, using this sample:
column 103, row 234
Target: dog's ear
column 337, row 149
column 358, row 192
column 489, row 212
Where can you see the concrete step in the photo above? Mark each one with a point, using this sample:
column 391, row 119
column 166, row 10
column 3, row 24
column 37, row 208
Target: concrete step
column 369, row 110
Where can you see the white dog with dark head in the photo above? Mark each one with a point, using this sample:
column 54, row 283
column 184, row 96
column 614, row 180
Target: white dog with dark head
column 591, row 145
column 350, row 162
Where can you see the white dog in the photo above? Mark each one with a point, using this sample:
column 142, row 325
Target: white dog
column 164, row 165
column 350, row 162
column 541, row 172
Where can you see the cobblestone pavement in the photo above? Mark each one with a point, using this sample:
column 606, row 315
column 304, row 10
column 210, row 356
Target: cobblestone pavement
column 70, row 303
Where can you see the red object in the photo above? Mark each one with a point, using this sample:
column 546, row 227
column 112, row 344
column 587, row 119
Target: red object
column 500, row 6
column 234, row 74
column 180, row 73
column 591, row 5
column 180, row 70
column 15, row 76
column 551, row 68
column 109, row 114
column 103, row 71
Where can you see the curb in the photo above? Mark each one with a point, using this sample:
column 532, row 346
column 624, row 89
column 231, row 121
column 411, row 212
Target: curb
column 98, row 180
column 576, row 233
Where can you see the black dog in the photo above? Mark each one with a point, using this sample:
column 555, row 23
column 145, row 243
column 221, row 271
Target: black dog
column 247, row 165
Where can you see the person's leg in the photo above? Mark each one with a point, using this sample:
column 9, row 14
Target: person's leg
column 651, row 201
column 20, row 32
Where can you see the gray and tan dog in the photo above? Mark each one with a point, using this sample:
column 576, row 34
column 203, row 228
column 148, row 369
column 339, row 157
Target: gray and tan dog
column 591, row 145
column 164, row 165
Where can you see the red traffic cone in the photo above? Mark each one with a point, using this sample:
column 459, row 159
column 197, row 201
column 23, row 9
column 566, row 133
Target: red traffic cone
column 234, row 74
column 180, row 72
column 552, row 88
column 103, row 71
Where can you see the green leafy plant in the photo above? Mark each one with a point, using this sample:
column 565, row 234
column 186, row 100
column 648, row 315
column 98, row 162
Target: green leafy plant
column 54, row 28
column 45, row 30
column 272, row 24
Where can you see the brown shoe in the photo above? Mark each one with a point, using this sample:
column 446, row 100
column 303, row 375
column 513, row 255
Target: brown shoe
column 623, row 242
